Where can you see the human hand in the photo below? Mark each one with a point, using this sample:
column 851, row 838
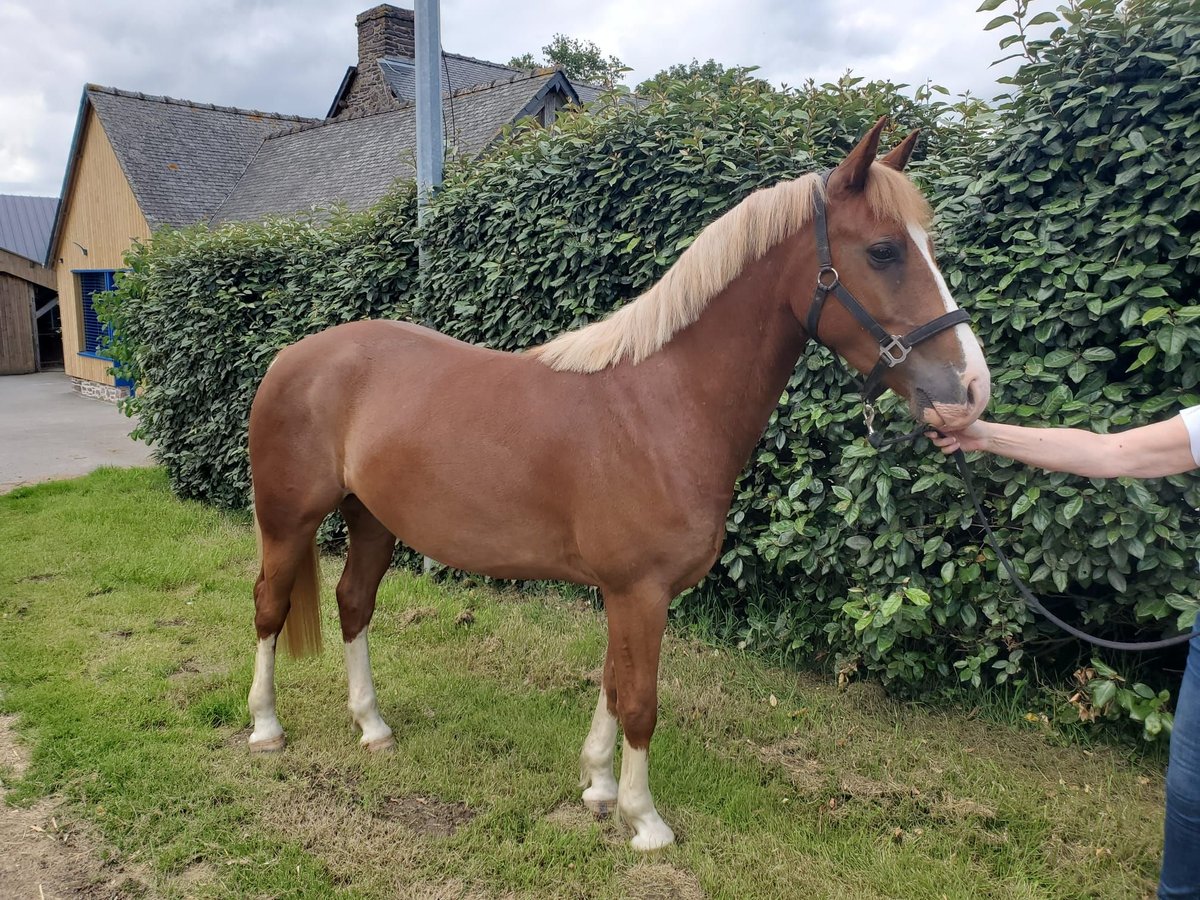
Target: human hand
column 973, row 437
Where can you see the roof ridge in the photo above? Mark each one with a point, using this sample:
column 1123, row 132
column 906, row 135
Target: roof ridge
column 486, row 62
column 522, row 75
column 174, row 101
column 28, row 197
column 313, row 124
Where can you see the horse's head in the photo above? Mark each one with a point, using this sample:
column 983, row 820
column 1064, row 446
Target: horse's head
column 879, row 252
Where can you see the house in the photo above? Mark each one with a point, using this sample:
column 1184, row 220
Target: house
column 140, row 162
column 28, row 304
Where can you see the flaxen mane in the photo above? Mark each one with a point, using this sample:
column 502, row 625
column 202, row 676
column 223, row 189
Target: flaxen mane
column 714, row 259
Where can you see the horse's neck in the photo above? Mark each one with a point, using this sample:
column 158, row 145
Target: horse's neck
column 733, row 363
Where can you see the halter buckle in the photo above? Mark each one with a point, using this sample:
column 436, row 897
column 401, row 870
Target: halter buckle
column 894, row 351
column 821, row 284
column 869, row 416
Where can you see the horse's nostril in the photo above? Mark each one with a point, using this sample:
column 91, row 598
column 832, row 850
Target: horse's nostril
column 971, row 393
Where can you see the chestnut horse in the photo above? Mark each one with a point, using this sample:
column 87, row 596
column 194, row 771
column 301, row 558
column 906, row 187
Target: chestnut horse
column 606, row 457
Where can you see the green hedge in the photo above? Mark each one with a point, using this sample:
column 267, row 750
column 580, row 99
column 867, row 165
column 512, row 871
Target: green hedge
column 201, row 314
column 1068, row 228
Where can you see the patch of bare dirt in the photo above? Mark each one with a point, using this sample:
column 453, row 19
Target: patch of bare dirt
column 324, row 810
column 804, row 771
column 574, row 816
column 41, row 576
column 448, row 890
column 426, row 815
column 416, row 615
column 954, row 809
column 660, row 881
column 44, row 853
column 191, row 668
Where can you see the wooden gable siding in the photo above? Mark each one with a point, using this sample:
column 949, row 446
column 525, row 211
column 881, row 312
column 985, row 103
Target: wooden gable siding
column 101, row 214
column 27, row 270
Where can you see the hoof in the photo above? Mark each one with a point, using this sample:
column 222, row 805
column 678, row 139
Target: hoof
column 602, row 803
column 380, row 745
column 269, row 745
column 601, row 808
column 653, row 838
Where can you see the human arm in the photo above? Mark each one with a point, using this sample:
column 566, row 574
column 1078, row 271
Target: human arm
column 1151, row 451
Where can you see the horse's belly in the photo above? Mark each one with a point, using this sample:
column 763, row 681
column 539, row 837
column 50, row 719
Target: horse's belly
column 490, row 527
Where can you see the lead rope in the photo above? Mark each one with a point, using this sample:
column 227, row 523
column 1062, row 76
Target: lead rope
column 1030, row 598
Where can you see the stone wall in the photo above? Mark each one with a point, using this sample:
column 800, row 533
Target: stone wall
column 94, row 390
column 383, row 31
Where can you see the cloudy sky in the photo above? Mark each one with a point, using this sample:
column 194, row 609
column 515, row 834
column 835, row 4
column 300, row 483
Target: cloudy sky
column 289, row 56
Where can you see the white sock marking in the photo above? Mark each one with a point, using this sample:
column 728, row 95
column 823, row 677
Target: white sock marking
column 596, row 760
column 262, row 695
column 363, row 705
column 636, row 806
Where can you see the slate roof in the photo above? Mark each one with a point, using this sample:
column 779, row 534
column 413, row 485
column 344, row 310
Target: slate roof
column 356, row 160
column 458, row 73
column 181, row 158
column 26, row 224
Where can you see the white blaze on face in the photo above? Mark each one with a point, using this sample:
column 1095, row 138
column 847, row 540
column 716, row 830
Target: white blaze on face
column 975, row 366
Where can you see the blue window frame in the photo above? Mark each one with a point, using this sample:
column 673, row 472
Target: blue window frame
column 95, row 332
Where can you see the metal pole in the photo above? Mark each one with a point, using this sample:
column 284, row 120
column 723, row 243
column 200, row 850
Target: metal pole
column 430, row 145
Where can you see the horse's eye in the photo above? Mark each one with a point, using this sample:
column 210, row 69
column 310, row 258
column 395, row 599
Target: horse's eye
column 883, row 254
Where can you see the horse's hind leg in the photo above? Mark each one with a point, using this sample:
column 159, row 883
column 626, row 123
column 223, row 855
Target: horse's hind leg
column 596, row 759
column 371, row 546
column 288, row 564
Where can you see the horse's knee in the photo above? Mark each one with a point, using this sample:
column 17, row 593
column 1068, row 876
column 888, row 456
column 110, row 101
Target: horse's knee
column 354, row 612
column 638, row 717
column 270, row 610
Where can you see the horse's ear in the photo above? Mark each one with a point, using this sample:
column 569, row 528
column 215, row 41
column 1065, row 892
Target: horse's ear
column 856, row 166
column 899, row 156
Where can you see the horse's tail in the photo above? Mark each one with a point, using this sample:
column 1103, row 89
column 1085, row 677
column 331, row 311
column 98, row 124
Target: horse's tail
column 302, row 626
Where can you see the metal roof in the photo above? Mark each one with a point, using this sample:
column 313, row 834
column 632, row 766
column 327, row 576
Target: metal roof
column 26, row 224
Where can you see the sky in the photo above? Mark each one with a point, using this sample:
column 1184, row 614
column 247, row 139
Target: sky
column 289, row 56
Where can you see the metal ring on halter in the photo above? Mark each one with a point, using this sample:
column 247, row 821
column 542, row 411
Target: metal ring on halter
column 894, row 351
column 831, row 285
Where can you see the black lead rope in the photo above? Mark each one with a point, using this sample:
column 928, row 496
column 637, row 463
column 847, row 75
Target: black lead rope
column 1030, row 598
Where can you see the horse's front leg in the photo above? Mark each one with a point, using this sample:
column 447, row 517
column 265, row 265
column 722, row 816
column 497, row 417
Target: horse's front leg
column 596, row 759
column 636, row 621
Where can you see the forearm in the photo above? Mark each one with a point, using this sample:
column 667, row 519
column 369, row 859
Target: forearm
column 1147, row 452
column 1056, row 449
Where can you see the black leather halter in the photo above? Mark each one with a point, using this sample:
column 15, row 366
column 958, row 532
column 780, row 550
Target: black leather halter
column 893, row 348
column 893, row 351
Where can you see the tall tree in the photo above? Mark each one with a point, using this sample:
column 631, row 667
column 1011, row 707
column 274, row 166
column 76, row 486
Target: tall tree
column 582, row 60
column 711, row 71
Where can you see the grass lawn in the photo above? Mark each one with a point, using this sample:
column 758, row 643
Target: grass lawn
column 126, row 650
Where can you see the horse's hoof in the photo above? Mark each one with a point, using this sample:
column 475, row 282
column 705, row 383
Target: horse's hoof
column 381, row 745
column 653, row 837
column 269, row 745
column 601, row 805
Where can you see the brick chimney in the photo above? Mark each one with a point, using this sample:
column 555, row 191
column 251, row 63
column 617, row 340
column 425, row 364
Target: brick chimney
column 383, row 31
